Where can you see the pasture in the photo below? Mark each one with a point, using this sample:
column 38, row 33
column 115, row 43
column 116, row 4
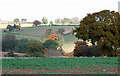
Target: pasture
column 22, row 25
column 76, row 65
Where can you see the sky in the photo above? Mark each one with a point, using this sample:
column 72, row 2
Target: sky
column 52, row 9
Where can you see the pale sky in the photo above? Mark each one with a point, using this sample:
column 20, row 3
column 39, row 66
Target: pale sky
column 52, row 9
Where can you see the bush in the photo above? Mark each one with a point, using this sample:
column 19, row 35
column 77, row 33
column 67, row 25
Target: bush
column 81, row 48
column 11, row 28
column 95, row 51
column 11, row 54
column 51, row 44
column 35, row 50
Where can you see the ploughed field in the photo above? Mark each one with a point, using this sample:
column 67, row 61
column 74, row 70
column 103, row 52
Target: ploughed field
column 76, row 65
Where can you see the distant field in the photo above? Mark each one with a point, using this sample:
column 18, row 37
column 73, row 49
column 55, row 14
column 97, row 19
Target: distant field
column 80, row 65
column 22, row 25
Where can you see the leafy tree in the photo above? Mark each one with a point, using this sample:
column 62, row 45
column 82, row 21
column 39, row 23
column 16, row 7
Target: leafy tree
column 101, row 28
column 66, row 20
column 51, row 23
column 44, row 20
column 36, row 22
column 10, row 28
column 53, row 37
column 9, row 42
column 58, row 20
column 23, row 20
column 16, row 20
column 51, row 44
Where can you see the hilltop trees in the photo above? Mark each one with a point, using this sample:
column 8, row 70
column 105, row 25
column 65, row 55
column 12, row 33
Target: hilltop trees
column 11, row 28
column 101, row 28
column 51, row 23
column 58, row 20
column 23, row 20
column 75, row 20
column 44, row 20
column 16, row 20
column 36, row 22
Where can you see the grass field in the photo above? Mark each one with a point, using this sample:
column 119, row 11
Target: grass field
column 91, row 65
column 22, row 25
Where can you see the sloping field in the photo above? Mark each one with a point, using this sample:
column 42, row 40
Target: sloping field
column 38, row 33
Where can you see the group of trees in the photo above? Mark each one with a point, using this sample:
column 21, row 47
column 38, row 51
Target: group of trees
column 102, row 29
column 32, row 48
column 14, row 27
column 74, row 20
column 16, row 20
column 44, row 21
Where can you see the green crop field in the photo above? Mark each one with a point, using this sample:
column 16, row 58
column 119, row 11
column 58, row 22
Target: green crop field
column 84, row 65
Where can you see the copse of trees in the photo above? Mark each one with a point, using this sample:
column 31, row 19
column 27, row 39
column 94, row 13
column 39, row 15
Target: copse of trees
column 36, row 23
column 22, row 45
column 16, row 20
column 51, row 23
column 44, row 20
column 101, row 28
column 74, row 20
column 9, row 42
column 11, row 28
column 23, row 20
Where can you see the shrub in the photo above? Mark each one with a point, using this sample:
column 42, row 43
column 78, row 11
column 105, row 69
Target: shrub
column 10, row 28
column 51, row 44
column 80, row 48
column 53, row 37
column 11, row 54
column 35, row 50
